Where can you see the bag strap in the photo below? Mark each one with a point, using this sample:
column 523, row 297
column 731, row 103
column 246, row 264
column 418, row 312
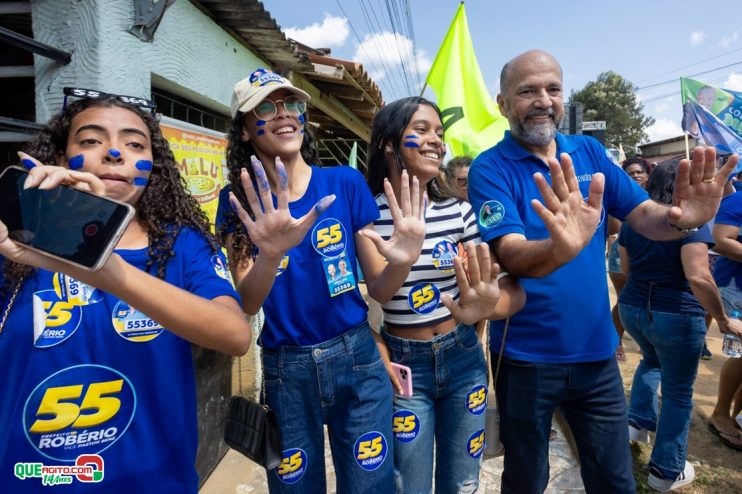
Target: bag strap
column 6, row 313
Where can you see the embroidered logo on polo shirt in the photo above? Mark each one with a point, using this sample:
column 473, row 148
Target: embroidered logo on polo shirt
column 490, row 214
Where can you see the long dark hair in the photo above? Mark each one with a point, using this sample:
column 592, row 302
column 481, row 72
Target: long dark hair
column 164, row 208
column 661, row 183
column 389, row 125
column 238, row 157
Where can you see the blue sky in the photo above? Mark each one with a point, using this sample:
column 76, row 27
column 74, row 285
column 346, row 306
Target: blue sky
column 648, row 42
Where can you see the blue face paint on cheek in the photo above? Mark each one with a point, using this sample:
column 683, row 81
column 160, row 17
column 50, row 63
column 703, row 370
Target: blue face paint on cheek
column 114, row 153
column 301, row 119
column 260, row 123
column 409, row 143
column 261, row 132
column 144, row 165
column 140, row 181
column 76, row 162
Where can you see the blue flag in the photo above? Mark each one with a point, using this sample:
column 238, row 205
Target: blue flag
column 712, row 114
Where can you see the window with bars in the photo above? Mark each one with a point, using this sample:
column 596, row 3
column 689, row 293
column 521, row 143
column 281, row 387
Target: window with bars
column 182, row 109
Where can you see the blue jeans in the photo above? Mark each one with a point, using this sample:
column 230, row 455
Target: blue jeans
column 342, row 383
column 591, row 398
column 671, row 344
column 449, row 379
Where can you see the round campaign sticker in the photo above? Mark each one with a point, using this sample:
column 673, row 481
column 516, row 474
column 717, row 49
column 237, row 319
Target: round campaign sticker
column 54, row 320
column 370, row 450
column 475, row 444
column 220, row 268
column 476, row 400
column 490, row 214
column 75, row 292
column 405, row 426
column 292, row 467
column 443, row 254
column 79, row 410
column 424, row 298
column 329, row 238
column 283, row 265
column 132, row 325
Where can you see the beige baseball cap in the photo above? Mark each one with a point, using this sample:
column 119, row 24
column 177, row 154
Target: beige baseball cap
column 256, row 87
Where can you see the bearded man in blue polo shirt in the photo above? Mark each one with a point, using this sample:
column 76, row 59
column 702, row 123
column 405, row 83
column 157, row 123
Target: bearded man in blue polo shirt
column 546, row 222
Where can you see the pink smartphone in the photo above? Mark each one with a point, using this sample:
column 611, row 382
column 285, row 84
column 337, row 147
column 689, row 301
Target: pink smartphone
column 404, row 374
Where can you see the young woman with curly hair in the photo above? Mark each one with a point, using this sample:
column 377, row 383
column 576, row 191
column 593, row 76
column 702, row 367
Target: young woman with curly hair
column 98, row 367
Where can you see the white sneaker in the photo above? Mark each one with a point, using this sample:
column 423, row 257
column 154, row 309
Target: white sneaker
column 663, row 485
column 638, row 435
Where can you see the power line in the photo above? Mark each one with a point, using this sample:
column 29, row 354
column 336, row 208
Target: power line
column 691, row 75
column 690, row 65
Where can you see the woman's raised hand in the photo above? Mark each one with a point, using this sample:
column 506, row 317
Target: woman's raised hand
column 272, row 228
column 480, row 291
column 406, row 242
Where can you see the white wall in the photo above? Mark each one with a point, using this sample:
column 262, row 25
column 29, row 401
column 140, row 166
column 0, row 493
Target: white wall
column 191, row 55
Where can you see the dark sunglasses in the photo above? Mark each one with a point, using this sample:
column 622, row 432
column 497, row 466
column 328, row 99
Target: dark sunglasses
column 77, row 92
column 462, row 181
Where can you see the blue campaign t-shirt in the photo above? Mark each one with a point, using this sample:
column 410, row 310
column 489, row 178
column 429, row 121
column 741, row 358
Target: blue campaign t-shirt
column 730, row 213
column 567, row 314
column 307, row 305
column 657, row 279
column 224, row 213
column 89, row 380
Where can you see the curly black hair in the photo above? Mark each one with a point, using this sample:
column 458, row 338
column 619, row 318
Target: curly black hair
column 387, row 129
column 238, row 157
column 165, row 207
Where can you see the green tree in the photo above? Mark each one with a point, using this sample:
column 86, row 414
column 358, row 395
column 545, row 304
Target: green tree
column 612, row 98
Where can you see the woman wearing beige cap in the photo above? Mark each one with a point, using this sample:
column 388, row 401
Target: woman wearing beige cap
column 321, row 364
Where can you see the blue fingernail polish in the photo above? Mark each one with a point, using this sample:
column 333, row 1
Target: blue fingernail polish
column 114, row 152
column 76, row 162
column 28, row 163
column 140, row 181
column 144, row 165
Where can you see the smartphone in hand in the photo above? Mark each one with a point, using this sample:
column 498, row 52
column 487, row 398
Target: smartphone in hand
column 404, row 374
column 69, row 224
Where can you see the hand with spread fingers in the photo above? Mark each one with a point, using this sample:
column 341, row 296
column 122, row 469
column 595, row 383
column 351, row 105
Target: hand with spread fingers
column 272, row 229
column 404, row 246
column 570, row 219
column 699, row 188
column 479, row 291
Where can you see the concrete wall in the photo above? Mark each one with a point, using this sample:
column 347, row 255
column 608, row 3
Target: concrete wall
column 190, row 55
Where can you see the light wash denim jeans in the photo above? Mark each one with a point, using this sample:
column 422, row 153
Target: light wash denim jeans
column 670, row 344
column 449, row 380
column 342, row 383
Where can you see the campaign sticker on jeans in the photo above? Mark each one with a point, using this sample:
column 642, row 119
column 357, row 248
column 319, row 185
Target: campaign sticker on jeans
column 292, row 467
column 443, row 254
column 340, row 279
column 54, row 320
column 78, row 410
column 329, row 237
column 405, row 426
column 490, row 214
column 132, row 325
column 476, row 400
column 424, row 298
column 475, row 444
column 75, row 292
column 370, row 450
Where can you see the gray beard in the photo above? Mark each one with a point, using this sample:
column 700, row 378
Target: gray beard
column 535, row 135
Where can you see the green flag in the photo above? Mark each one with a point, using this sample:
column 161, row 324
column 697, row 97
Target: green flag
column 471, row 118
column 353, row 156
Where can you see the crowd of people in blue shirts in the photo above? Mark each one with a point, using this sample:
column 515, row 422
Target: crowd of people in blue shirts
column 525, row 250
